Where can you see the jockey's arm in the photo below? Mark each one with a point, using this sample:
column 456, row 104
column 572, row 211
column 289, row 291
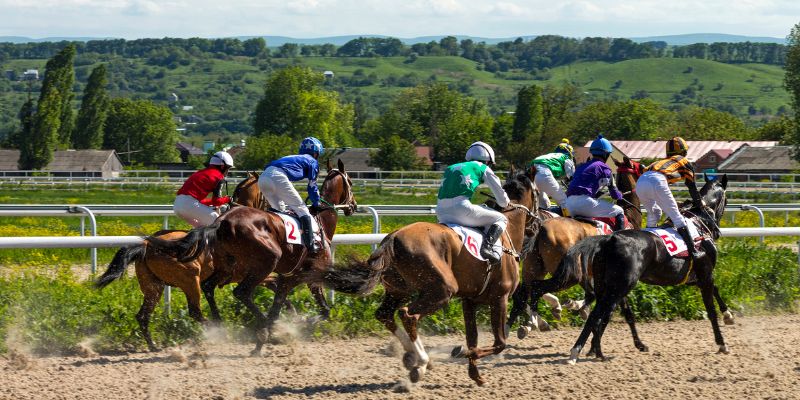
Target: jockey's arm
column 496, row 186
column 313, row 190
column 688, row 174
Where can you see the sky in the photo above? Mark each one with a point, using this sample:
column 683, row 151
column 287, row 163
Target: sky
column 409, row 18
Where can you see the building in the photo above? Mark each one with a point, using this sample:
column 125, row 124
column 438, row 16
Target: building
column 582, row 155
column 30, row 75
column 710, row 161
column 328, row 74
column 187, row 150
column 354, row 158
column 72, row 163
column 649, row 149
column 760, row 163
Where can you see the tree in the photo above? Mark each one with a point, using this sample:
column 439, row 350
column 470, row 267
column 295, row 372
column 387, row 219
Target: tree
column 781, row 129
column 792, row 83
column 526, row 136
column 395, row 154
column 60, row 75
column 25, row 115
column 261, row 150
column 254, row 47
column 698, row 123
column 91, row 120
column 295, row 105
column 143, row 127
column 621, row 120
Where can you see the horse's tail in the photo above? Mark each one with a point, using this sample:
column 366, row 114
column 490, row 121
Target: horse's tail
column 189, row 247
column 360, row 276
column 121, row 260
column 576, row 264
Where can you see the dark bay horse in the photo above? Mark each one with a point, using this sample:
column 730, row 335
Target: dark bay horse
column 423, row 265
column 554, row 239
column 158, row 268
column 624, row 258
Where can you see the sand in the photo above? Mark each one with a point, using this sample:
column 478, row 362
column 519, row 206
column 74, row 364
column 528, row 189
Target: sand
column 682, row 363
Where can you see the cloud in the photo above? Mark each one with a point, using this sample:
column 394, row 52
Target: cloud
column 142, row 8
column 303, row 6
column 507, row 9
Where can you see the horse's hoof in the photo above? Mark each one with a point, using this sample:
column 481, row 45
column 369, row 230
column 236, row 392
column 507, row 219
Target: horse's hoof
column 414, row 375
column 262, row 335
column 642, row 347
column 570, row 305
column 154, row 349
column 573, row 356
column 544, row 326
column 727, row 318
column 458, row 352
column 409, row 360
column 723, row 349
column 255, row 353
column 523, row 331
column 585, row 313
column 556, row 315
column 480, row 381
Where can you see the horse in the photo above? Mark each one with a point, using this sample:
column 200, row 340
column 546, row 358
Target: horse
column 620, row 260
column 249, row 244
column 155, row 270
column 423, row 265
column 555, row 238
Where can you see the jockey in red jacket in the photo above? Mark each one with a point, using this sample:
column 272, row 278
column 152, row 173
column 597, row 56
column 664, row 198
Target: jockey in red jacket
column 192, row 204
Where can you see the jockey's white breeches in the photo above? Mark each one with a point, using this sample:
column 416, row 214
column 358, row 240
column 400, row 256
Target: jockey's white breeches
column 587, row 206
column 459, row 210
column 192, row 211
column 548, row 186
column 654, row 193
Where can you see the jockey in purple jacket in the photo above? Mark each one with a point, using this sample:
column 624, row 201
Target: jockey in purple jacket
column 587, row 184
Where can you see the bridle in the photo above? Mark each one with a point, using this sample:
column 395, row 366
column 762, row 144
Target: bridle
column 349, row 202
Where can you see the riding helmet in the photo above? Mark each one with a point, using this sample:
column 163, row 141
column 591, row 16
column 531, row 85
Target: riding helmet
column 311, row 146
column 677, row 146
column 480, row 151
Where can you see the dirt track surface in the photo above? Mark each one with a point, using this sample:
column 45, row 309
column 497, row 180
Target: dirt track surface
column 682, row 363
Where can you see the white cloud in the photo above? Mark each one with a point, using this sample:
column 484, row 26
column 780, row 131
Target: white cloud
column 142, row 8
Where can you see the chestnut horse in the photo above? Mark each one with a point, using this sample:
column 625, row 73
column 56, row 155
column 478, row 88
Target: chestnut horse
column 248, row 245
column 555, row 238
column 155, row 270
column 426, row 264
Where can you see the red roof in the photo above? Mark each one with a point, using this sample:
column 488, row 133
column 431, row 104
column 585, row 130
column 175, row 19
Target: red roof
column 638, row 149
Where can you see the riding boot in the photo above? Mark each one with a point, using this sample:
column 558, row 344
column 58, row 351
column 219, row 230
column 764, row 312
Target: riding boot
column 687, row 237
column 308, row 234
column 489, row 239
column 619, row 222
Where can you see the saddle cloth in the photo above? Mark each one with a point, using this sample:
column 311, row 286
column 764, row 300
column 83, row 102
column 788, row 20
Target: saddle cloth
column 603, row 225
column 473, row 240
column 293, row 230
column 673, row 241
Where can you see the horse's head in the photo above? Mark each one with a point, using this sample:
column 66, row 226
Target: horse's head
column 522, row 192
column 247, row 192
column 713, row 195
column 337, row 189
column 628, row 171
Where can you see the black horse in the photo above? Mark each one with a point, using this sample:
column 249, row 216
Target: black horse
column 624, row 258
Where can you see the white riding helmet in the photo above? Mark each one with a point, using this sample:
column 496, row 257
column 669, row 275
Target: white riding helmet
column 221, row 158
column 480, row 151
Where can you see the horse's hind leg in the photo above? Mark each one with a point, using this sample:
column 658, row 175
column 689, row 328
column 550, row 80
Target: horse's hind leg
column 322, row 304
column 429, row 301
column 595, row 320
column 707, row 290
column 625, row 307
column 727, row 317
column 555, row 305
column 284, row 286
column 244, row 293
column 520, row 302
column 151, row 288
column 209, row 286
column 192, row 292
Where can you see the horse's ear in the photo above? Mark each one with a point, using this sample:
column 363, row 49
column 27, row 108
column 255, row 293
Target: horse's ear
column 724, row 181
column 627, row 161
column 616, row 161
column 340, row 165
column 328, row 165
column 511, row 171
column 705, row 176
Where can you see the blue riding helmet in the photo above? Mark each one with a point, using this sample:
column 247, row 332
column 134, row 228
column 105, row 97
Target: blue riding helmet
column 311, row 146
column 601, row 146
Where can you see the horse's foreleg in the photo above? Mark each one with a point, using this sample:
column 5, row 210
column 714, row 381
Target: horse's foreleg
column 471, row 330
column 244, row 293
column 625, row 307
column 727, row 317
column 322, row 303
column 498, row 309
column 707, row 290
column 152, row 290
column 520, row 302
column 555, row 305
column 192, row 292
column 429, row 302
column 592, row 325
column 209, row 286
column 283, row 286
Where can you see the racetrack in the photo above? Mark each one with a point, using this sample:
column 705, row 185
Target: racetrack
column 682, row 363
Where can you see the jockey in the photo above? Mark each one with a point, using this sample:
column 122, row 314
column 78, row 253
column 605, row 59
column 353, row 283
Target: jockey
column 191, row 203
column 653, row 190
column 551, row 168
column 587, row 184
column 276, row 185
column 459, row 184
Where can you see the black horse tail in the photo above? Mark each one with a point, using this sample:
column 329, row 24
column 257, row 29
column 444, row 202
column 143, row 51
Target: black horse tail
column 189, row 247
column 577, row 263
column 121, row 260
column 359, row 276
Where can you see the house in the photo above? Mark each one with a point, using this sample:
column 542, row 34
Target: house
column 582, row 155
column 354, row 158
column 328, row 74
column 425, row 154
column 72, row 163
column 760, row 163
column 30, row 75
column 187, row 150
column 708, row 162
column 649, row 149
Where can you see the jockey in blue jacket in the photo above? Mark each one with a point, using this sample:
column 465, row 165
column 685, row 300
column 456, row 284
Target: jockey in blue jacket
column 276, row 185
column 587, row 184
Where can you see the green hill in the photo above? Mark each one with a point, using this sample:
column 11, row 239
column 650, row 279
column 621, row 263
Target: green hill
column 224, row 92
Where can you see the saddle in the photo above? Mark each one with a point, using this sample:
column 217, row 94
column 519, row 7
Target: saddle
column 472, row 238
column 604, row 225
column 674, row 243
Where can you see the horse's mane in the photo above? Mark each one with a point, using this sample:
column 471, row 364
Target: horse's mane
column 517, row 184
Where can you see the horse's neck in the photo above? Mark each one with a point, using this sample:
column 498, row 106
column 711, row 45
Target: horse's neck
column 516, row 227
column 329, row 218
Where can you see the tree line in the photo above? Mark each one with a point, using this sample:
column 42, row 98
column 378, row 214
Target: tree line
column 546, row 51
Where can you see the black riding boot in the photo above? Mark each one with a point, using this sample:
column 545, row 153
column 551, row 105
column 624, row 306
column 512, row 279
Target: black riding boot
column 687, row 237
column 308, row 234
column 489, row 239
column 619, row 222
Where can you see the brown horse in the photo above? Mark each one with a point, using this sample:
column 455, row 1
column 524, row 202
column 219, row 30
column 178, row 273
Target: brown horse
column 426, row 264
column 155, row 270
column 248, row 245
column 555, row 238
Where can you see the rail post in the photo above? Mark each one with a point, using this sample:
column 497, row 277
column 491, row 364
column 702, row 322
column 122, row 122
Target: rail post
column 376, row 223
column 760, row 215
column 93, row 225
